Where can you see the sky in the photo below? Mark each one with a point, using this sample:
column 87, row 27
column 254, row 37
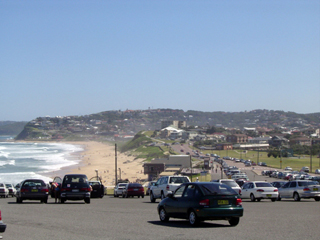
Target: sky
column 62, row 58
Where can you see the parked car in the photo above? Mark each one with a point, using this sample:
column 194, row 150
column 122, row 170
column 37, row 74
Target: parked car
column 12, row 190
column 33, row 189
column 257, row 190
column 150, row 184
column 75, row 187
column 278, row 184
column 240, row 182
column 119, row 189
column 133, row 189
column 317, row 171
column 2, row 225
column 305, row 169
column 199, row 201
column 4, row 192
column 97, row 189
column 288, row 168
column 165, row 184
column 298, row 189
column 231, row 183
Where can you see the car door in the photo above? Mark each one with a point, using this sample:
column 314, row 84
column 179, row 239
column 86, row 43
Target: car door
column 292, row 187
column 187, row 200
column 244, row 192
column 156, row 188
column 173, row 203
column 283, row 191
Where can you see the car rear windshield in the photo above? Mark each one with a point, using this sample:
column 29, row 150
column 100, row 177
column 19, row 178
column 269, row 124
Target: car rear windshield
column 179, row 180
column 1, row 185
column 75, row 179
column 217, row 189
column 230, row 183
column 263, row 184
column 134, row 185
column 34, row 183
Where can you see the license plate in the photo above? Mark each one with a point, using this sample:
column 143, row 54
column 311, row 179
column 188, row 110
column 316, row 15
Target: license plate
column 269, row 195
column 34, row 190
column 223, row 202
column 75, row 190
column 315, row 189
column 136, row 189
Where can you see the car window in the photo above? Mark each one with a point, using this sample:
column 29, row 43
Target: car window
column 190, row 192
column 230, row 183
column 34, row 183
column 179, row 191
column 293, row 184
column 245, row 186
column 1, row 185
column 178, row 180
column 286, row 185
column 217, row 189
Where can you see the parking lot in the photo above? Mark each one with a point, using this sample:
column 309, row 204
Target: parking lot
column 137, row 218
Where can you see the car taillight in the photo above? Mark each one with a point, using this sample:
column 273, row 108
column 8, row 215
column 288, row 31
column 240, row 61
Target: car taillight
column 0, row 216
column 168, row 188
column 275, row 190
column 45, row 190
column 260, row 190
column 204, row 202
column 239, row 202
column 24, row 190
column 306, row 189
column 85, row 189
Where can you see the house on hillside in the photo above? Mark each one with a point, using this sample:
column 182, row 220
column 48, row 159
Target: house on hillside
column 301, row 141
column 237, row 138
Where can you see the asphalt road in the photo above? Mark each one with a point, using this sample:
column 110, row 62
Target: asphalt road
column 137, row 218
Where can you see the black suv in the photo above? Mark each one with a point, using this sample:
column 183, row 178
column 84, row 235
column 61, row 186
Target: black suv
column 75, row 187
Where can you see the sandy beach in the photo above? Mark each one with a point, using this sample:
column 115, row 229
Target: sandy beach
column 100, row 156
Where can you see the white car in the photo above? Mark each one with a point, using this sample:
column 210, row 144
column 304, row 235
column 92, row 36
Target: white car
column 119, row 189
column 317, row 171
column 231, row 183
column 166, row 184
column 288, row 169
column 257, row 190
column 4, row 192
column 11, row 189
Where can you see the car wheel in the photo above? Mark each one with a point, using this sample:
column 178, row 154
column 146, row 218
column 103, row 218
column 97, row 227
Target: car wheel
column 273, row 199
column 258, row 199
column 45, row 200
column 193, row 219
column 127, row 195
column 87, row 200
column 138, row 196
column 252, row 198
column 296, row 196
column 142, row 196
column 279, row 198
column 62, row 200
column 152, row 199
column 163, row 215
column 17, row 200
column 234, row 221
column 317, row 199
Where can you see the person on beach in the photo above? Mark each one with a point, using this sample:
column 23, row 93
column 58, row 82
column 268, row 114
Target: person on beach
column 56, row 191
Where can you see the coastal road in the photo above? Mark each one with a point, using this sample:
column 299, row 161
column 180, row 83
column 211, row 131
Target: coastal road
column 137, row 218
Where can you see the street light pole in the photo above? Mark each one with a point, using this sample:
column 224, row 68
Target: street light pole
column 116, row 167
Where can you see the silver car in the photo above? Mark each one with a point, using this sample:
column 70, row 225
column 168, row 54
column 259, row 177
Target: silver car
column 118, row 190
column 300, row 189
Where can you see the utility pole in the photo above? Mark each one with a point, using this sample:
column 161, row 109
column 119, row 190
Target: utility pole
column 311, row 158
column 116, row 165
column 191, row 166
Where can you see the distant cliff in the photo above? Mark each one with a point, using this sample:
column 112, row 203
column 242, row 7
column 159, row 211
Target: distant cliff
column 11, row 127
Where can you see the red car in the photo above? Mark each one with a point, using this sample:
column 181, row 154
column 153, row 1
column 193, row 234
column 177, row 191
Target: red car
column 133, row 189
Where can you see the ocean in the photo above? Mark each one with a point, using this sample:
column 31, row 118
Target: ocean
column 22, row 160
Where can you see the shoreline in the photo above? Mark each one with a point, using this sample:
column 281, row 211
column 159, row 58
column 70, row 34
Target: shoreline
column 101, row 156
